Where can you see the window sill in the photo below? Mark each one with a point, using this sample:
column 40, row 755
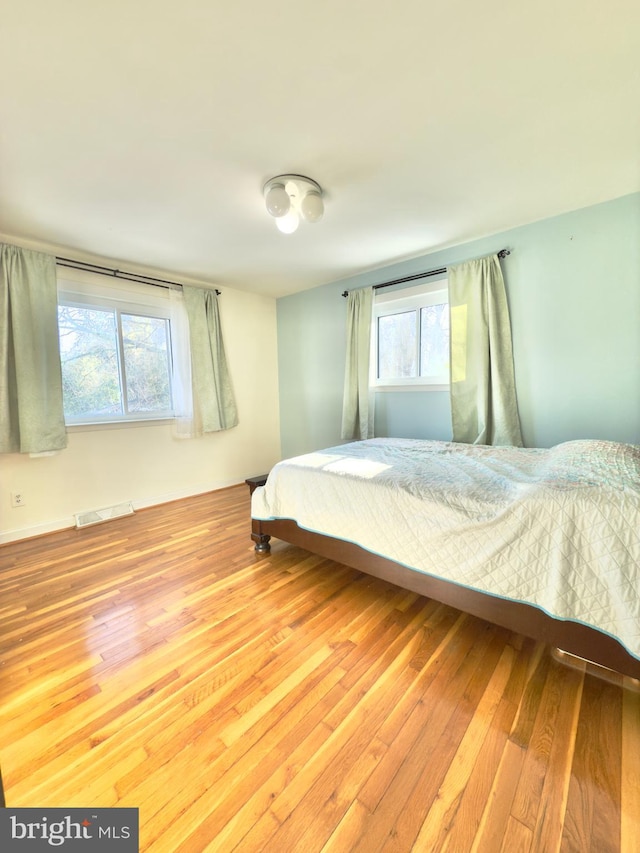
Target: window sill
column 417, row 387
column 92, row 426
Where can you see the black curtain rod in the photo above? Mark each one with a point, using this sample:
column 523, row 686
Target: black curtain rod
column 501, row 254
column 128, row 276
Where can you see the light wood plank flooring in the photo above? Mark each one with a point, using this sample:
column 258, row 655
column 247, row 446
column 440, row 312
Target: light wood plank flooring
column 288, row 703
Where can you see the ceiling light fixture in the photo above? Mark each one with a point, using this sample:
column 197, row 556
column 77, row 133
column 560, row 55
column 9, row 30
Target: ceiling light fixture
column 290, row 198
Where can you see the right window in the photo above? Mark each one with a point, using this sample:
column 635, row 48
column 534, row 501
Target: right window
column 410, row 339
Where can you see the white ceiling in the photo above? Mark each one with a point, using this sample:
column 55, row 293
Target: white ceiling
column 142, row 131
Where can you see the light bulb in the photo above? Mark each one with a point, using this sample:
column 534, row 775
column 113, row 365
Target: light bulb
column 289, row 223
column 312, row 207
column 277, row 200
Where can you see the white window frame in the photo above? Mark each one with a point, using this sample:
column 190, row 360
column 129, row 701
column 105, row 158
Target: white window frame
column 85, row 289
column 395, row 302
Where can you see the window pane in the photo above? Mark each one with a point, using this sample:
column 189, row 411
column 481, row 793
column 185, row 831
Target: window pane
column 397, row 350
column 89, row 355
column 434, row 340
column 146, row 362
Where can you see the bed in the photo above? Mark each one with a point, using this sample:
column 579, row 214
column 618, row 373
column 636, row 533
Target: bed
column 544, row 542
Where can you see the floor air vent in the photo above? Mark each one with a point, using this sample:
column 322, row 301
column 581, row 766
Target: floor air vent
column 97, row 516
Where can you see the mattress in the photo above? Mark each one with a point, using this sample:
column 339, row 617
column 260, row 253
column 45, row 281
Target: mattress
column 557, row 528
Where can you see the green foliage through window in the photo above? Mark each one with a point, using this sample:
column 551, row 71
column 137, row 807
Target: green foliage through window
column 114, row 364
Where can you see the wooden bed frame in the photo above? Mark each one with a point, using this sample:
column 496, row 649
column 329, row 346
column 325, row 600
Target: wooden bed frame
column 572, row 637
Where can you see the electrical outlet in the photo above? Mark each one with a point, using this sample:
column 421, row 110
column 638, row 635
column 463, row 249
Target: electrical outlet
column 17, row 499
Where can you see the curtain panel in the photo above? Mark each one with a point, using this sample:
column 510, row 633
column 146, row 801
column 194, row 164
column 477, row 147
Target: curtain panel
column 484, row 408
column 214, row 405
column 31, row 406
column 182, row 383
column 358, row 404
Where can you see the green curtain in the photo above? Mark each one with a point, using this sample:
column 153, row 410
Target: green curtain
column 357, row 405
column 31, row 408
column 213, row 399
column 483, row 392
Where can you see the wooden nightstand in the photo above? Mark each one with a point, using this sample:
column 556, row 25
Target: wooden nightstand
column 254, row 482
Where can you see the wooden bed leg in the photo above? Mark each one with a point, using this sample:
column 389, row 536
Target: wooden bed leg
column 262, row 542
column 261, row 539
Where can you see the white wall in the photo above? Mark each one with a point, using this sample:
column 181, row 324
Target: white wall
column 146, row 464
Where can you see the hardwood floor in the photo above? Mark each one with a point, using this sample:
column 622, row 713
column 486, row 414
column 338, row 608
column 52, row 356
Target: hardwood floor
column 287, row 703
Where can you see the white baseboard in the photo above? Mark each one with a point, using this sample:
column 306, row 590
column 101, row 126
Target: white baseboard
column 36, row 530
column 53, row 525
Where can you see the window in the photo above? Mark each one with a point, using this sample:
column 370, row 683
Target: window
column 410, row 338
column 116, row 351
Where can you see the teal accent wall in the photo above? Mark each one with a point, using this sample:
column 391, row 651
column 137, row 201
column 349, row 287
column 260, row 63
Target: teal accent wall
column 573, row 285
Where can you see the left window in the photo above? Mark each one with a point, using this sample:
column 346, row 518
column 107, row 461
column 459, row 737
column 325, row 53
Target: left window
column 116, row 351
